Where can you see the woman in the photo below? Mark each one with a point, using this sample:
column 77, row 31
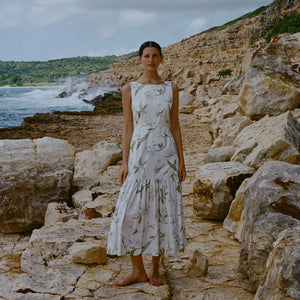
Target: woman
column 149, row 213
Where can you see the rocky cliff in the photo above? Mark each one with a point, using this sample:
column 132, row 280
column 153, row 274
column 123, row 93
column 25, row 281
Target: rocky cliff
column 239, row 104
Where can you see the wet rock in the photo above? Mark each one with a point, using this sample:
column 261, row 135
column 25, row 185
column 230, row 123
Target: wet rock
column 259, row 142
column 271, row 204
column 33, row 174
column 215, row 187
column 63, row 94
column 282, row 268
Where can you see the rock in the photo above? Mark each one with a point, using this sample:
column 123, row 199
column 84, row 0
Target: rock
column 259, row 142
column 234, row 221
column 63, row 94
column 88, row 253
column 89, row 164
column 82, row 197
column 272, row 84
column 198, row 266
column 185, row 99
column 59, row 212
column 215, row 187
column 282, row 268
column 188, row 109
column 49, row 246
column 33, row 174
column 220, row 154
column 99, row 208
column 271, row 204
column 224, row 131
column 233, row 86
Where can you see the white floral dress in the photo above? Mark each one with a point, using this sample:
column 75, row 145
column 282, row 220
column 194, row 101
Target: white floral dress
column 149, row 214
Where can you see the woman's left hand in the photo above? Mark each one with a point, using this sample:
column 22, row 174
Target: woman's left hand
column 181, row 172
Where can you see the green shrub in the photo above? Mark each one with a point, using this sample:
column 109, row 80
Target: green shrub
column 289, row 24
column 224, row 73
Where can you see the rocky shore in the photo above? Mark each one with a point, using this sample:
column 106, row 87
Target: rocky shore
column 241, row 137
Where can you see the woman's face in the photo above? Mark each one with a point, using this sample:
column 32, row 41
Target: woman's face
column 151, row 58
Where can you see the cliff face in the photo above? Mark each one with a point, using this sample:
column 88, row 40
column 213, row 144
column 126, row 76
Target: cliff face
column 194, row 63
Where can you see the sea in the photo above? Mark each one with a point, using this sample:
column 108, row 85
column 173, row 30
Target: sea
column 20, row 102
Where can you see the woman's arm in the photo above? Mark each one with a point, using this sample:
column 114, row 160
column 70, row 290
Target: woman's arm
column 127, row 130
column 175, row 130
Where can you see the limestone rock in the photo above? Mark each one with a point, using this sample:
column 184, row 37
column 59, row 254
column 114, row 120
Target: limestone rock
column 82, row 197
column 234, row 221
column 51, row 244
column 33, row 174
column 272, row 84
column 220, row 154
column 99, row 208
column 88, row 253
column 282, row 268
column 215, row 187
column 260, row 142
column 224, row 131
column 185, row 99
column 271, row 204
column 89, row 164
column 59, row 212
column 199, row 265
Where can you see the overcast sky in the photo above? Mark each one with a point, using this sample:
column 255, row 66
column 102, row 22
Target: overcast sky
column 50, row 29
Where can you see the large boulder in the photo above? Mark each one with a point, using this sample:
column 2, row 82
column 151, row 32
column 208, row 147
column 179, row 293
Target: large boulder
column 283, row 268
column 89, row 164
column 234, row 221
column 271, row 204
column 260, row 142
column 272, row 84
column 215, row 187
column 33, row 173
column 224, row 131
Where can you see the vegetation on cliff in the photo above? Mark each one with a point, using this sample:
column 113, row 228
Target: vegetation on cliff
column 48, row 72
column 289, row 24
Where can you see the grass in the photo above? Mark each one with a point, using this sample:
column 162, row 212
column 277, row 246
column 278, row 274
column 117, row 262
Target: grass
column 289, row 24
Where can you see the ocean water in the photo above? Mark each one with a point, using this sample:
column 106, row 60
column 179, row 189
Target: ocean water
column 19, row 103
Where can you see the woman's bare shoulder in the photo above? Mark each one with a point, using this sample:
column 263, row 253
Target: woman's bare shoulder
column 126, row 90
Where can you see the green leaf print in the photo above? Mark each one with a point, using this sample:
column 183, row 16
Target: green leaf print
column 172, row 165
column 142, row 140
column 139, row 88
column 146, row 246
column 135, row 232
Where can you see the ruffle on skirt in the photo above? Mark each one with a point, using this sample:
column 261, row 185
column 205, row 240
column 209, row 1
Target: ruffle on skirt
column 148, row 218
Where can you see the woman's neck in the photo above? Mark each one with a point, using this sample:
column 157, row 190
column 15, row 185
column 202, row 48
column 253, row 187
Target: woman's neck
column 150, row 78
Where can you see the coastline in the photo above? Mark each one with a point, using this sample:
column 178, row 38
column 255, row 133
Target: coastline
column 28, row 86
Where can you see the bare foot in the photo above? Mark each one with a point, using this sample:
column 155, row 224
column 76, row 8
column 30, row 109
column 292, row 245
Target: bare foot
column 155, row 279
column 131, row 278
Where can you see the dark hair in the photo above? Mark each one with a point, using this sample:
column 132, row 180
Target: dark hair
column 149, row 44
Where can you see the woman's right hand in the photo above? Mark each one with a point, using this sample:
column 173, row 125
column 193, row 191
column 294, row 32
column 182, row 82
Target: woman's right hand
column 123, row 174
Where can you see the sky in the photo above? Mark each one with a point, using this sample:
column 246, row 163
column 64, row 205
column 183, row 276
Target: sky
column 32, row 30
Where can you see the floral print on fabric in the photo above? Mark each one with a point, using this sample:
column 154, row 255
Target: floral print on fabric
column 149, row 213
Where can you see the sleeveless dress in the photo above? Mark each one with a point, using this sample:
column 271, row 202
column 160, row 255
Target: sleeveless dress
column 149, row 213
